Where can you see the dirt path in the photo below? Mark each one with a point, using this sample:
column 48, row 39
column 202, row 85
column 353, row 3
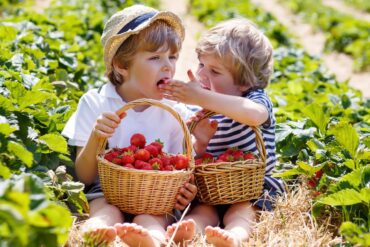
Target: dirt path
column 187, row 59
column 346, row 9
column 313, row 42
column 40, row 5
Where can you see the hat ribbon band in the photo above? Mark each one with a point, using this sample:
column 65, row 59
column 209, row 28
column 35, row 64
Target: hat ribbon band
column 136, row 22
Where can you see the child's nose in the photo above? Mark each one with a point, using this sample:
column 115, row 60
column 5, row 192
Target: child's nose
column 167, row 65
column 201, row 74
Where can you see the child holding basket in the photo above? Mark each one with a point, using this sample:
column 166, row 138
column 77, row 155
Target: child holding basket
column 141, row 47
column 235, row 65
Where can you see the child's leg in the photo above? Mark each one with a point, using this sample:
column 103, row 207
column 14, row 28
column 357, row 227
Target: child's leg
column 145, row 231
column 98, row 229
column 239, row 220
column 199, row 217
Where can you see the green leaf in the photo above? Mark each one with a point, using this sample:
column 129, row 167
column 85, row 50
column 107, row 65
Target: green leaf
column 342, row 198
column 4, row 171
column 6, row 129
column 317, row 116
column 288, row 173
column 308, row 169
column 32, row 98
column 350, row 164
column 365, row 195
column 21, row 153
column 55, row 142
column 346, row 136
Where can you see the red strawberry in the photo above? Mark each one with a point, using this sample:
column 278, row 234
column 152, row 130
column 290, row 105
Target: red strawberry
column 153, row 150
column 198, row 161
column 249, row 156
column 168, row 168
column 138, row 140
column 142, row 154
column 128, row 157
column 117, row 160
column 312, row 183
column 139, row 164
column 238, row 155
column 158, row 144
column 131, row 148
column 147, row 166
column 319, row 173
column 181, row 162
column 166, row 160
column 207, row 158
column 129, row 166
column 226, row 157
column 109, row 156
column 156, row 163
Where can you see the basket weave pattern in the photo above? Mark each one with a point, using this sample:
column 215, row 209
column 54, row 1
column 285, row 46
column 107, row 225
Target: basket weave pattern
column 231, row 182
column 141, row 191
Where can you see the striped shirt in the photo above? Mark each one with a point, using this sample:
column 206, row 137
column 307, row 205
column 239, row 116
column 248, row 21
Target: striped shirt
column 231, row 134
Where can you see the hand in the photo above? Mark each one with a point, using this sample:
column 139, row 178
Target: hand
column 180, row 91
column 106, row 124
column 186, row 194
column 203, row 132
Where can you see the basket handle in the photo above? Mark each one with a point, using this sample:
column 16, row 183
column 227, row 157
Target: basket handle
column 188, row 147
column 259, row 139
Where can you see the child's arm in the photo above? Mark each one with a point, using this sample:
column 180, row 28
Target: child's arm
column 86, row 164
column 238, row 108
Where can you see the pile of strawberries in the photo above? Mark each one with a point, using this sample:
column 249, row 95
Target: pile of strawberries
column 230, row 155
column 146, row 157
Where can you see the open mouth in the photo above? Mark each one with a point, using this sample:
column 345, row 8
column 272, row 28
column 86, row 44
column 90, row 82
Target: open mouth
column 162, row 81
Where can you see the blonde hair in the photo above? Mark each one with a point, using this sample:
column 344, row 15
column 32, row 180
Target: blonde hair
column 243, row 49
column 158, row 34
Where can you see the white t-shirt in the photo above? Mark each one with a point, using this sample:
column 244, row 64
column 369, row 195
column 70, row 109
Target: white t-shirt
column 153, row 122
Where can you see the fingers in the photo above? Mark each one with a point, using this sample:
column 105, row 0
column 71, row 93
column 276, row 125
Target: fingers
column 187, row 194
column 191, row 75
column 106, row 124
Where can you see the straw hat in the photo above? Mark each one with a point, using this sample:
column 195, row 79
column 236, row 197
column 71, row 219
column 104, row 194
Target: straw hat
column 132, row 20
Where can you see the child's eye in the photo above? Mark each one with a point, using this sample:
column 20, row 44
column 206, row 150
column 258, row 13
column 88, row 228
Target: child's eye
column 154, row 58
column 173, row 57
column 215, row 72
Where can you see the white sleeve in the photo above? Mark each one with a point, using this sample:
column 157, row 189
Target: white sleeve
column 81, row 123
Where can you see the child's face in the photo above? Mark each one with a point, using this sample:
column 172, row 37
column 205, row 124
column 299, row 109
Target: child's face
column 213, row 75
column 147, row 69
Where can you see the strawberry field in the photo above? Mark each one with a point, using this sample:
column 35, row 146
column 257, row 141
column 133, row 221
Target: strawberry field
column 51, row 57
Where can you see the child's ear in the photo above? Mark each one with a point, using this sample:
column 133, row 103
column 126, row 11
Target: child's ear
column 243, row 88
column 120, row 68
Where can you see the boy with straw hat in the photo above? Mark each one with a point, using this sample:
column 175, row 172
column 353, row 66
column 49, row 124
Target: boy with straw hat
column 141, row 47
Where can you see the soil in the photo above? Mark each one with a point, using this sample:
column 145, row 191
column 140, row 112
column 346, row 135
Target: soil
column 40, row 5
column 193, row 29
column 313, row 42
column 346, row 9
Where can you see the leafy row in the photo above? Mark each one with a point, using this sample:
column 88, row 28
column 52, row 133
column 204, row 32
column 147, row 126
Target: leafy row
column 47, row 61
column 323, row 125
column 359, row 4
column 344, row 33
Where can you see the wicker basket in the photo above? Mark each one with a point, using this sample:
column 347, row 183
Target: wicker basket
column 141, row 191
column 231, row 182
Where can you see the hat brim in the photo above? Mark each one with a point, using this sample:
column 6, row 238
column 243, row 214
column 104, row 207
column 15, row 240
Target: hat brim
column 114, row 42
